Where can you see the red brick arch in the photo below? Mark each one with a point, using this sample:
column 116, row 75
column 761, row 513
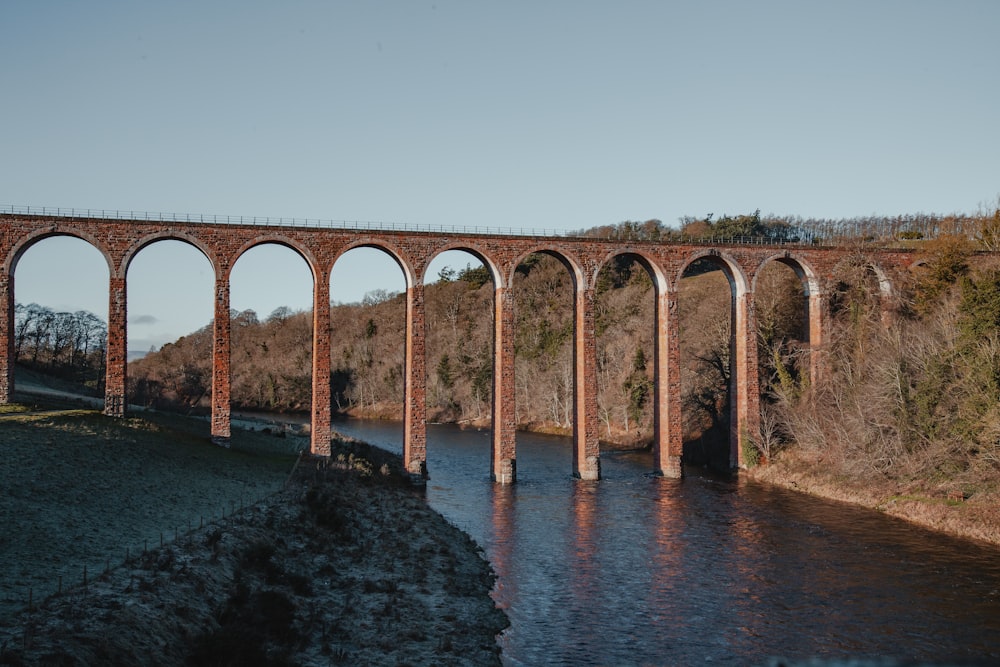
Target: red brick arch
column 385, row 245
column 25, row 244
column 170, row 235
column 300, row 249
column 471, row 248
column 571, row 260
column 734, row 271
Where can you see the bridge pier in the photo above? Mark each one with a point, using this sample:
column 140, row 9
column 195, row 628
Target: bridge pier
column 503, row 443
column 668, row 435
column 321, row 427
column 818, row 313
column 6, row 337
column 115, row 399
column 221, row 363
column 586, row 443
column 745, row 427
column 415, row 392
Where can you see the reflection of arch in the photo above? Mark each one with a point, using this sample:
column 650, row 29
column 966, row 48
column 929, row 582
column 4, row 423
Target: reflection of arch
column 22, row 246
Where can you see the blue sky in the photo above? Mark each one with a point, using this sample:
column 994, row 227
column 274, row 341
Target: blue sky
column 559, row 114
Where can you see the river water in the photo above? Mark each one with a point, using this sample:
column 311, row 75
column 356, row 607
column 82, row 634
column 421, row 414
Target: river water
column 640, row 570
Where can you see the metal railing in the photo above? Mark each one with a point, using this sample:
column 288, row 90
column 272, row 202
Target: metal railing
column 267, row 221
column 822, row 233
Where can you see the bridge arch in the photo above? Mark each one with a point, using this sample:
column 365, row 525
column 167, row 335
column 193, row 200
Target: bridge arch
column 57, row 318
column 114, row 378
column 571, row 261
column 414, row 372
column 643, row 258
column 390, row 249
column 731, row 268
column 743, row 386
column 470, row 248
column 790, row 310
column 862, row 261
column 226, row 264
column 802, row 268
column 22, row 245
column 170, row 285
column 463, row 375
column 664, row 407
column 168, row 235
column 584, row 410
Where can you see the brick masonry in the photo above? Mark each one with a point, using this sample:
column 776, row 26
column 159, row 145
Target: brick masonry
column 120, row 240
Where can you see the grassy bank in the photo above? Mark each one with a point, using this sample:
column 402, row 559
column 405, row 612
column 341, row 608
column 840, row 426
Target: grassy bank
column 343, row 563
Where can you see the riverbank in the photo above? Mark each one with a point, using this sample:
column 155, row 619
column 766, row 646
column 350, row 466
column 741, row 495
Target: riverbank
column 342, row 563
column 963, row 512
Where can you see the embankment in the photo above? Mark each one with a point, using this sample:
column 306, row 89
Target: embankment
column 344, row 563
column 973, row 516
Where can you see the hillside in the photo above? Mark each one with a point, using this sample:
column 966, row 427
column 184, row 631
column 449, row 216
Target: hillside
column 907, row 419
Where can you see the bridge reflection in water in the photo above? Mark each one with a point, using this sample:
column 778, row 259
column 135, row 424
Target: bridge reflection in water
column 223, row 244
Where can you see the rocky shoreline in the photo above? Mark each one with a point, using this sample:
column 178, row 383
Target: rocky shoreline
column 345, row 564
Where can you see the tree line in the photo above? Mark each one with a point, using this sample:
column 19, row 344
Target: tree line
column 68, row 345
column 982, row 228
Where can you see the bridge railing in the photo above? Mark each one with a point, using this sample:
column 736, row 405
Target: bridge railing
column 835, row 234
column 267, row 221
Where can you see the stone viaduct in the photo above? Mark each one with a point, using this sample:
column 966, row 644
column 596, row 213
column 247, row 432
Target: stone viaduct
column 119, row 240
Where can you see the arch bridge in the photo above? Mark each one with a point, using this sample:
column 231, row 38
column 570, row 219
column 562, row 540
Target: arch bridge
column 119, row 240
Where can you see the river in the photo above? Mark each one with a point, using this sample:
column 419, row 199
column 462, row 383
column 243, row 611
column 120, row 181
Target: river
column 635, row 569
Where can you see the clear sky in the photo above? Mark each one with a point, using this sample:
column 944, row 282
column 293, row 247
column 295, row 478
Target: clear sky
column 557, row 114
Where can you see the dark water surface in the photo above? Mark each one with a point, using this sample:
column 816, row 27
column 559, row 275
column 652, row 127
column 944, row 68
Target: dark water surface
column 635, row 569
